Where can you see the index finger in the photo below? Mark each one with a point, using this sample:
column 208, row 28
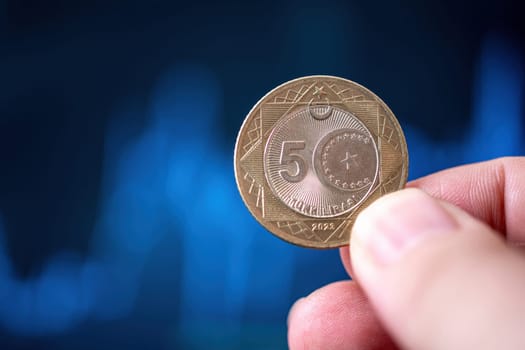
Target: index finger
column 492, row 191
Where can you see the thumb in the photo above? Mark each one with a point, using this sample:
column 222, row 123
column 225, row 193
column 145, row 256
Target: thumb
column 438, row 278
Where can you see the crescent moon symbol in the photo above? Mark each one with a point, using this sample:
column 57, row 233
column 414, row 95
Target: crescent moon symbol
column 322, row 115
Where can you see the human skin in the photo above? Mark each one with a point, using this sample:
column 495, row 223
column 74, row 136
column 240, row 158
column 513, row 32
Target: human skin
column 435, row 266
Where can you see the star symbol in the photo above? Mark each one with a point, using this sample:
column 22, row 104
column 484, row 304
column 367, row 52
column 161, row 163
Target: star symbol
column 349, row 157
column 319, row 93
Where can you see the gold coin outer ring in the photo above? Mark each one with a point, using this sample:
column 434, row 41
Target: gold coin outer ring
column 285, row 223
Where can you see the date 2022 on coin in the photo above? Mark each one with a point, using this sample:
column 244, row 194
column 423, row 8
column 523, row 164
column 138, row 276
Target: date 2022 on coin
column 313, row 153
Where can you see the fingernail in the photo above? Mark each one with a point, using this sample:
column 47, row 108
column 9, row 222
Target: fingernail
column 395, row 223
column 291, row 312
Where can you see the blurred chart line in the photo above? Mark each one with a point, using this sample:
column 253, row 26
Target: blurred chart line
column 154, row 187
column 496, row 128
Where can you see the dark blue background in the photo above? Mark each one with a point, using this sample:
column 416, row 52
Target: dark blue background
column 120, row 222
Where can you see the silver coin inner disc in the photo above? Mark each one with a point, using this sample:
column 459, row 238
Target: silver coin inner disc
column 321, row 167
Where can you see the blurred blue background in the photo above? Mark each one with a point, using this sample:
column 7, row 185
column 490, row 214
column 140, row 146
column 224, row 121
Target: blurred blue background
column 120, row 222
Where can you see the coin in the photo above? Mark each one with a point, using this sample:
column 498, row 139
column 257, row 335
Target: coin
column 313, row 153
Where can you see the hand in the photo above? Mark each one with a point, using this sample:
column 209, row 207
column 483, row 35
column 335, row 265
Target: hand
column 437, row 267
